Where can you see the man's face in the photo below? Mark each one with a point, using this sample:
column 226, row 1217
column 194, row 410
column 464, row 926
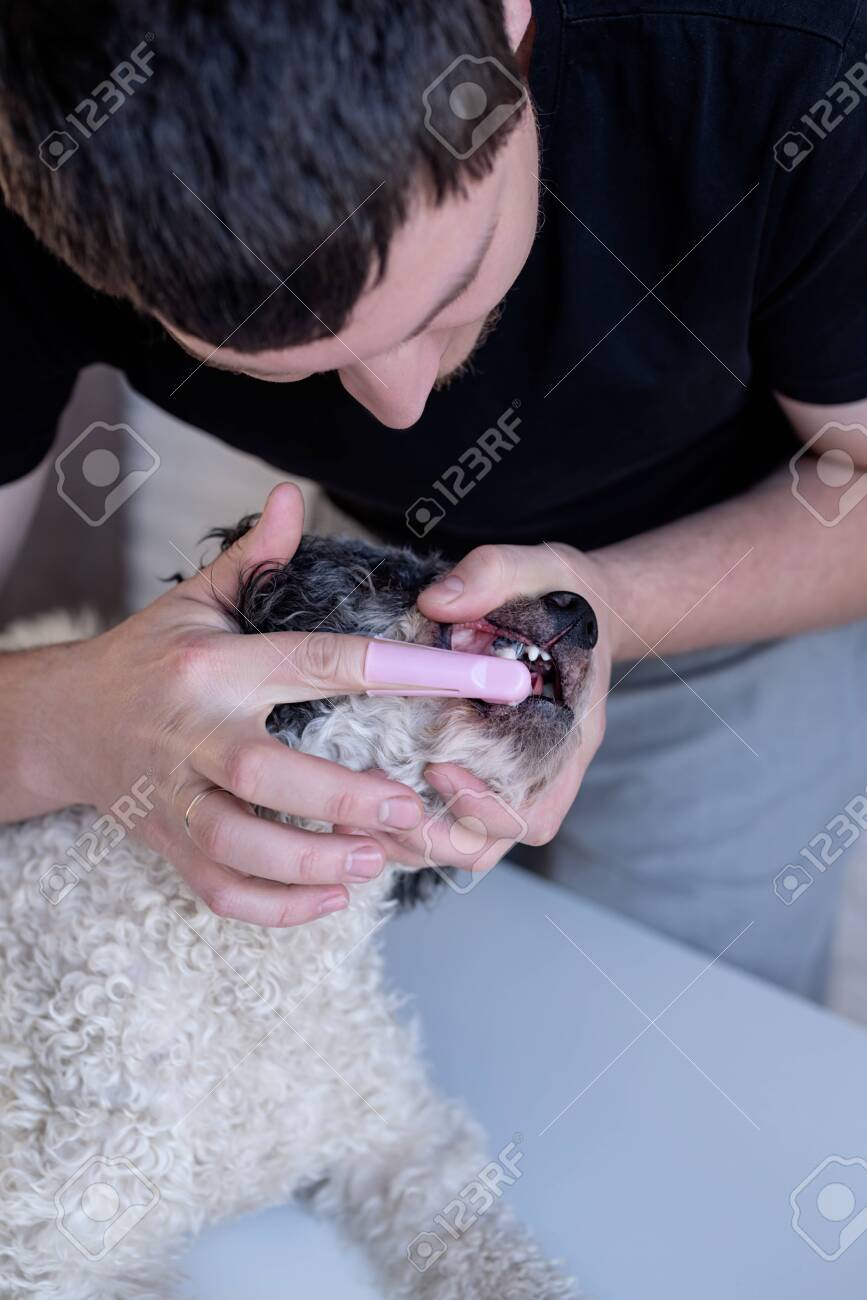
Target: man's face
column 448, row 269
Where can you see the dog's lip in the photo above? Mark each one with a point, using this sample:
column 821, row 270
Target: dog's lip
column 494, row 630
column 497, row 629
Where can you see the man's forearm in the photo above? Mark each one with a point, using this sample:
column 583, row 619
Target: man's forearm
column 755, row 567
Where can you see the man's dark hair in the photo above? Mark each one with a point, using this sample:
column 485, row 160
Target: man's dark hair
column 299, row 123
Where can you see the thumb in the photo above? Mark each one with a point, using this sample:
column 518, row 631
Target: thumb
column 273, row 539
column 485, row 579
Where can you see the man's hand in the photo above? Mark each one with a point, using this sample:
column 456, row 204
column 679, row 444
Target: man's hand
column 484, row 579
column 175, row 694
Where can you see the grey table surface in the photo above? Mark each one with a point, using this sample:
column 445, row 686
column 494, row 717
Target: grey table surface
column 668, row 1108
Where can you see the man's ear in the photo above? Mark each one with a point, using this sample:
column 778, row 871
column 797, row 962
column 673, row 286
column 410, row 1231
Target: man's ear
column 518, row 16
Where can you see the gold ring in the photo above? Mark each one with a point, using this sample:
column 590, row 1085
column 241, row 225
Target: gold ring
column 203, row 794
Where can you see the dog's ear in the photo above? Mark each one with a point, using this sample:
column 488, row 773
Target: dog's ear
column 246, row 609
column 228, row 536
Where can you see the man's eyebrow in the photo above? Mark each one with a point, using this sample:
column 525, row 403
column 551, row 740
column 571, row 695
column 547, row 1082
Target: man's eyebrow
column 463, row 282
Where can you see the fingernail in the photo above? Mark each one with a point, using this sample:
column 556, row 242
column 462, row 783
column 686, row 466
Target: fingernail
column 363, row 864
column 440, row 782
column 333, row 903
column 400, row 814
column 448, row 589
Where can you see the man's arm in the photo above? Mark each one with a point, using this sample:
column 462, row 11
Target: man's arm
column 761, row 565
column 757, row 566
column 173, row 700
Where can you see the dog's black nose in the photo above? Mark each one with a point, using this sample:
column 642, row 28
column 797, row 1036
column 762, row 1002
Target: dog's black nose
column 569, row 610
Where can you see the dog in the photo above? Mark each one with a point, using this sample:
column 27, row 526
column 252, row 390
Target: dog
column 163, row 1068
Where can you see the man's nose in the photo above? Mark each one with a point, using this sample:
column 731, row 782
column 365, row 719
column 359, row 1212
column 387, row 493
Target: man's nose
column 394, row 386
column 571, row 613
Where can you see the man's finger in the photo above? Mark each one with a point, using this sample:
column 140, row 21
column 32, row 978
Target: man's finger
column 227, row 832
column 279, row 667
column 266, row 773
column 487, row 577
column 273, row 539
column 473, row 803
column 275, row 668
column 271, row 668
column 441, row 843
column 258, row 902
column 448, row 778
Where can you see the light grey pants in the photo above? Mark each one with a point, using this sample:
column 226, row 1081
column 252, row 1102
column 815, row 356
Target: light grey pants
column 681, row 825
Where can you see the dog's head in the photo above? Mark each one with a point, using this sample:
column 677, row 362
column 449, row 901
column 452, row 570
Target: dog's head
column 347, row 586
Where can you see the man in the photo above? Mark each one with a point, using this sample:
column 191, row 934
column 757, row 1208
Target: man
column 579, row 338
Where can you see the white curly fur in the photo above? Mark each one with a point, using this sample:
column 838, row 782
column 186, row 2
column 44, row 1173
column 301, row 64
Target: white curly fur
column 234, row 1066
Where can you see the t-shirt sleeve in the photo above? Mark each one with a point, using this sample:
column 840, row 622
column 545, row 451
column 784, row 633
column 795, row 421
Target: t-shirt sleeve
column 41, row 354
column 809, row 332
column 811, row 342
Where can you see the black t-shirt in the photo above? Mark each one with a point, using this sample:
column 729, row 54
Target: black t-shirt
column 624, row 409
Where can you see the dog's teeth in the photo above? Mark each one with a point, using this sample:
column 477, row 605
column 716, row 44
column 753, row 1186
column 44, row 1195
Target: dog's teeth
column 533, row 653
column 504, row 649
column 545, row 656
